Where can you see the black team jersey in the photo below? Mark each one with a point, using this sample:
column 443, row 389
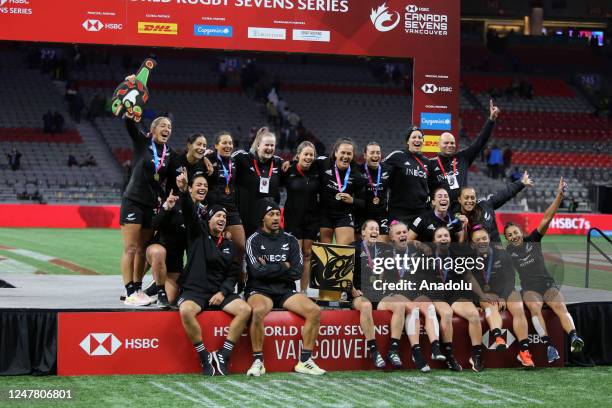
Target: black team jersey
column 302, row 194
column 273, row 277
column 375, row 204
column 457, row 165
column 170, row 227
column 249, row 172
column 181, row 163
column 497, row 276
column 208, row 258
column 328, row 188
column 220, row 191
column 410, row 174
column 143, row 186
column 529, row 261
column 425, row 225
column 484, row 211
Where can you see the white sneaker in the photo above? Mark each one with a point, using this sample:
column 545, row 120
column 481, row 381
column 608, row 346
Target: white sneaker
column 257, row 369
column 137, row 299
column 309, row 367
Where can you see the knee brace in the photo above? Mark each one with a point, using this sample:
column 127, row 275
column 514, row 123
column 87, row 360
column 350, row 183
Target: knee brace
column 431, row 314
column 411, row 322
column 536, row 325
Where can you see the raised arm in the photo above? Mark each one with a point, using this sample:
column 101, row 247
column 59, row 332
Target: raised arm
column 552, row 209
column 164, row 216
column 190, row 217
column 502, row 196
column 473, row 150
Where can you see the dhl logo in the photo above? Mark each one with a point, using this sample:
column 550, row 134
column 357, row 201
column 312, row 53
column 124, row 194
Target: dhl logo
column 430, row 144
column 157, row 28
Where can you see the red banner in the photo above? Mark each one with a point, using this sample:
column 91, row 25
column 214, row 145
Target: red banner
column 154, row 342
column 561, row 224
column 426, row 31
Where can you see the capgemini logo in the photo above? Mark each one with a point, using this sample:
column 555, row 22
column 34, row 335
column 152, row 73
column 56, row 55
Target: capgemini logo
column 381, row 18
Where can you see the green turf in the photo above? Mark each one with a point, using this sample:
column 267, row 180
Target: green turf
column 578, row 387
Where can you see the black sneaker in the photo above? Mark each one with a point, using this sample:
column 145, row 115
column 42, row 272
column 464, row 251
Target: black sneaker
column 379, row 362
column 419, row 361
column 476, row 362
column 151, row 289
column 436, row 354
column 207, row 365
column 162, row 301
column 453, row 364
column 577, row 344
column 395, row 360
column 220, row 363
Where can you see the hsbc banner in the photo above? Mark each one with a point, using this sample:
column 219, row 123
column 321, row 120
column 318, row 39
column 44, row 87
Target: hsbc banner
column 424, row 30
column 108, row 343
column 561, row 224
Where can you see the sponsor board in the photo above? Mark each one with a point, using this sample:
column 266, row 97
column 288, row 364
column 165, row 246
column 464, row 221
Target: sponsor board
column 152, row 27
column 436, row 121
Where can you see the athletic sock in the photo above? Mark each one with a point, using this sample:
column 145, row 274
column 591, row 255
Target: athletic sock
column 435, row 344
column 258, row 356
column 572, row 333
column 305, row 355
column 477, row 350
column 447, row 348
column 524, row 345
column 496, row 333
column 130, row 288
column 161, row 290
column 201, row 350
column 546, row 340
column 394, row 345
column 226, row 351
column 372, row 346
column 137, row 286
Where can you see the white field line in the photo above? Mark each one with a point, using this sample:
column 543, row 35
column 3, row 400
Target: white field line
column 178, row 394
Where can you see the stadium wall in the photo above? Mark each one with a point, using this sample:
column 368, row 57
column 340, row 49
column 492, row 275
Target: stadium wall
column 81, row 216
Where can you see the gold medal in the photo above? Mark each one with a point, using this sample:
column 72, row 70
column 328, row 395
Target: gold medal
column 156, row 177
column 338, row 196
column 376, row 200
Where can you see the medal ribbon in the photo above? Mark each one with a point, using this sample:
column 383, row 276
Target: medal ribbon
column 226, row 174
column 157, row 161
column 487, row 275
column 374, row 186
column 346, row 178
column 367, row 251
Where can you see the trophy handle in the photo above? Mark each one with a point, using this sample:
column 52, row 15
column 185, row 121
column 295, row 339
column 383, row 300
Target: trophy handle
column 145, row 69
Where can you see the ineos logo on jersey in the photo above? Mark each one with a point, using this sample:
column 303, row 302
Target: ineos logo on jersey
column 276, row 258
column 383, row 21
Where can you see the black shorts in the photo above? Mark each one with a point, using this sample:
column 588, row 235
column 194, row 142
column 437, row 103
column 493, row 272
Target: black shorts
column 304, row 229
column 277, row 300
column 202, row 299
column 132, row 212
column 233, row 218
column 540, row 287
column 407, row 217
column 337, row 221
column 382, row 219
column 174, row 261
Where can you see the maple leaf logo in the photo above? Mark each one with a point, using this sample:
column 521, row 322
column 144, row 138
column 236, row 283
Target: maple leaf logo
column 381, row 17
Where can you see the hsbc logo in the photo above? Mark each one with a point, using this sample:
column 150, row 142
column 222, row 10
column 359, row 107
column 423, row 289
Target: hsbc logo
column 3, row 2
column 97, row 25
column 433, row 88
column 100, row 344
column 489, row 341
column 412, row 8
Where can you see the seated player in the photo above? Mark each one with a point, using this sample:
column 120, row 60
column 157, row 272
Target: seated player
column 418, row 303
column 538, row 287
column 274, row 263
column 496, row 293
column 366, row 251
column 423, row 227
column 457, row 302
column 208, row 282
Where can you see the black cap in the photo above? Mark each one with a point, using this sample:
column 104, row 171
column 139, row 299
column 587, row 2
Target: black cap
column 264, row 206
column 213, row 209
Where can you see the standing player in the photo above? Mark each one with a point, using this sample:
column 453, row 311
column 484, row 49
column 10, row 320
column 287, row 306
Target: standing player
column 341, row 183
column 274, row 263
column 424, row 225
column 482, row 212
column 537, row 285
column 152, row 164
column 451, row 167
column 495, row 289
column 410, row 176
column 302, row 207
column 257, row 177
column 377, row 188
column 457, row 302
column 208, row 282
column 192, row 160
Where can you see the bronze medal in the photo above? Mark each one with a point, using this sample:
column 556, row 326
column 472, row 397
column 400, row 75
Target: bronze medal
column 376, row 200
column 156, row 177
column 227, row 190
